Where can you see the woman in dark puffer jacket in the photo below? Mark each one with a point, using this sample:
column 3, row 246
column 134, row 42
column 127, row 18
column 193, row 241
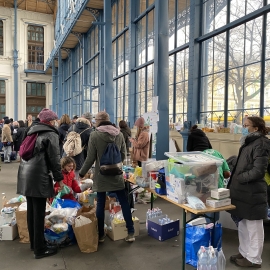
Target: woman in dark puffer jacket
column 64, row 125
column 197, row 140
column 248, row 191
column 35, row 179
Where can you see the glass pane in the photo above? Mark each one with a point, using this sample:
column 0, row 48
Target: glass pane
column 237, row 9
column 151, row 36
column 220, row 13
column 253, row 40
column 219, row 52
column 141, row 36
column 95, row 108
column 207, row 67
column 120, row 15
column 126, row 85
column 171, row 69
column 150, row 77
column 235, row 89
column 206, row 99
column 171, row 103
column 236, row 50
column 218, row 91
column 267, row 85
column 114, row 20
column 33, row 89
column 127, row 12
column 252, row 86
column 127, row 52
column 149, row 101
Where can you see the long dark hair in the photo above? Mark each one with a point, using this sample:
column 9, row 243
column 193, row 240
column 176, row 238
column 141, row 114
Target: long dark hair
column 259, row 123
column 21, row 123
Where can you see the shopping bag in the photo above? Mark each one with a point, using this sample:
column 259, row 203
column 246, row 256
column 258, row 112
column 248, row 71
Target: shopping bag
column 88, row 212
column 62, row 239
column 196, row 236
column 87, row 236
column 21, row 218
column 65, row 203
column 216, row 237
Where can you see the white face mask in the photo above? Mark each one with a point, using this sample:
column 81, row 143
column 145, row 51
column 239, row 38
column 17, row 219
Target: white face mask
column 56, row 124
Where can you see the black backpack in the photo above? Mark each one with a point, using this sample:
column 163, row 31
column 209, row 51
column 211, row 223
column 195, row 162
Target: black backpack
column 111, row 161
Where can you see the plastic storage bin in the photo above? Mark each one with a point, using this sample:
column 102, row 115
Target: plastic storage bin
column 197, row 175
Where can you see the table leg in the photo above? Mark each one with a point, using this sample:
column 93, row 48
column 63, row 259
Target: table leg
column 152, row 200
column 213, row 232
column 184, row 240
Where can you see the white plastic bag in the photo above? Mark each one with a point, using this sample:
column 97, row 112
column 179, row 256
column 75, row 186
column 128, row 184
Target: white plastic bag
column 23, row 207
column 81, row 221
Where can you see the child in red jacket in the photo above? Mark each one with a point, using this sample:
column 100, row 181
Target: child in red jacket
column 68, row 166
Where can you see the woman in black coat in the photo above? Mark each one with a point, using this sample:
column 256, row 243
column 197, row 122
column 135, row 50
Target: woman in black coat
column 197, row 140
column 125, row 130
column 35, row 179
column 19, row 135
column 64, row 125
column 248, row 191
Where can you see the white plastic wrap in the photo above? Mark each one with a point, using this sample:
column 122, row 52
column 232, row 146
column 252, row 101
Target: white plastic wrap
column 81, row 221
column 195, row 203
column 59, row 228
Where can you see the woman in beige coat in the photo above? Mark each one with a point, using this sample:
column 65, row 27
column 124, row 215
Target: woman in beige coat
column 7, row 140
column 141, row 142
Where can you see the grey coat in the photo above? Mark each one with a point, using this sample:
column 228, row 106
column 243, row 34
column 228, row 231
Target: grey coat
column 96, row 146
column 247, row 185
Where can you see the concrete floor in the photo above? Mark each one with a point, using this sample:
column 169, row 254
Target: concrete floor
column 144, row 253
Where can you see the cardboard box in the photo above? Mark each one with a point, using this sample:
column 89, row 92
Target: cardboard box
column 119, row 230
column 175, row 188
column 163, row 232
column 218, row 203
column 8, row 232
column 220, row 193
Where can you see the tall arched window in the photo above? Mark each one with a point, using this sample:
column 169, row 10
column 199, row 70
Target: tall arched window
column 35, row 38
column 1, row 38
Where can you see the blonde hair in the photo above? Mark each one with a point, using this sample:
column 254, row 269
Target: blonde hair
column 83, row 120
column 65, row 120
column 67, row 160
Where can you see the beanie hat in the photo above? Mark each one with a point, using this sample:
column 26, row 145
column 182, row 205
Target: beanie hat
column 88, row 116
column 7, row 121
column 139, row 122
column 5, row 117
column 47, row 115
column 101, row 117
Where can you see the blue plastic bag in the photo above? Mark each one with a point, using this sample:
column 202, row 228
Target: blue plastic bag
column 66, row 203
column 62, row 239
column 196, row 236
column 216, row 238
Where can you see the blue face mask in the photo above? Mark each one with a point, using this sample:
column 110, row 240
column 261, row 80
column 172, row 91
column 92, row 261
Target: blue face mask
column 245, row 131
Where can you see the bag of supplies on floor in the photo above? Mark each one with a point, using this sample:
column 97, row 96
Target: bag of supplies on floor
column 85, row 229
column 201, row 235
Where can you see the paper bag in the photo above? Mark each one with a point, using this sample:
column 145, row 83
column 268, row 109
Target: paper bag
column 88, row 212
column 21, row 218
column 87, row 236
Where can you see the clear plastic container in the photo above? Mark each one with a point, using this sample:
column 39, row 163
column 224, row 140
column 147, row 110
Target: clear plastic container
column 194, row 158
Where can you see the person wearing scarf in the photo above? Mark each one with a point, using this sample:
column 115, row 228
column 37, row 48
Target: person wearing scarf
column 248, row 191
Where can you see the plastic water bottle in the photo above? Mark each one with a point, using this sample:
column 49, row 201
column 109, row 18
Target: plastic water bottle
column 221, row 264
column 148, row 215
column 203, row 260
column 213, row 261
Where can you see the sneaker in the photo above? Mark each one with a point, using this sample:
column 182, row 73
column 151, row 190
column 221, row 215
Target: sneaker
column 48, row 252
column 246, row 263
column 237, row 256
column 130, row 238
column 102, row 238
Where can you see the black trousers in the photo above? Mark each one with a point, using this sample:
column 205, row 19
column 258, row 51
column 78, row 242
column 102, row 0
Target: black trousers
column 36, row 208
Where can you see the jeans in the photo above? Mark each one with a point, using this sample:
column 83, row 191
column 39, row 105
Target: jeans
column 101, row 199
column 36, row 208
column 7, row 153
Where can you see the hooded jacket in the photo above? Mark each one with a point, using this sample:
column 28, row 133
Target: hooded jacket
column 6, row 134
column 34, row 176
column 98, row 142
column 198, row 141
column 248, row 188
column 85, row 130
column 141, row 146
column 18, row 138
column 63, row 130
column 126, row 133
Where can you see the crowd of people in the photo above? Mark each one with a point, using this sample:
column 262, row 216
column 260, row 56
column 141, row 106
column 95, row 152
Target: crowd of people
column 51, row 167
